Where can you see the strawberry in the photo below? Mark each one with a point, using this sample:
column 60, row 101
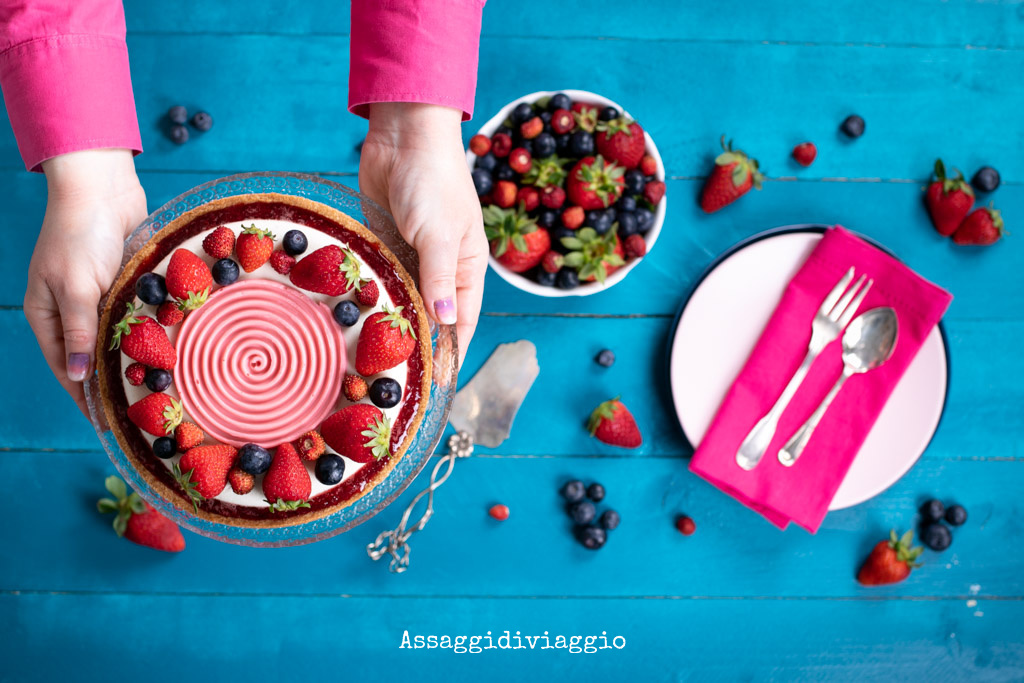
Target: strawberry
column 733, row 176
column 499, row 512
column 386, row 340
column 585, row 115
column 135, row 374
column 137, row 521
column 329, row 270
column 360, row 432
column 949, row 200
column 562, row 121
column 310, row 445
column 654, row 191
column 519, row 160
column 685, row 525
column 635, row 246
column 890, row 561
column 546, row 172
column 144, row 340
column 286, row 484
column 501, row 145
column 573, row 217
column 594, row 184
column 188, row 435
column 282, row 262
column 594, row 256
column 621, row 141
column 552, row 262
column 188, row 279
column 368, row 294
column 203, row 471
column 805, row 153
column 613, row 424
column 528, row 198
column 241, row 481
column 157, row 414
column 354, row 388
column 219, row 243
column 532, row 128
column 984, row 226
column 504, row 193
column 254, row 247
column 480, row 144
column 516, row 241
column 648, row 165
column 169, row 315
column 552, row 197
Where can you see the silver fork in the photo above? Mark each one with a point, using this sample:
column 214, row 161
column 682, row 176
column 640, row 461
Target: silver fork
column 836, row 312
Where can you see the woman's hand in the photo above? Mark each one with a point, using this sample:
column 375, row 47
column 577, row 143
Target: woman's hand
column 94, row 202
column 414, row 166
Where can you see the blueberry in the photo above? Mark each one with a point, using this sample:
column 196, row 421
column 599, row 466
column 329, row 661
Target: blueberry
column 488, row 162
column 644, row 219
column 627, row 224
column 595, row 492
column 986, row 179
column 527, row 145
column 559, row 101
column 547, row 218
column 567, row 279
column 158, row 379
column 522, row 113
column 603, row 223
column 612, row 213
column 254, row 459
column 330, row 468
column 294, row 242
column 607, row 114
column 179, row 134
column 151, row 288
column 544, row 145
column 635, row 181
column 591, row 537
column 385, row 392
column 164, row 447
column 582, row 511
column 573, row 491
column 581, row 144
column 936, row 536
column 956, row 515
column 592, row 218
column 225, row 271
column 346, row 313
column 504, row 172
column 932, row 510
column 504, row 129
column 606, row 358
column 482, row 181
column 562, row 143
column 545, row 116
column 627, row 203
column 557, row 233
column 177, row 114
column 853, row 126
column 545, row 279
column 609, row 519
column 202, row 121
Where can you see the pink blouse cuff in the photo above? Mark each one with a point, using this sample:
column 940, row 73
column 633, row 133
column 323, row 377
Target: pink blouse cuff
column 67, row 93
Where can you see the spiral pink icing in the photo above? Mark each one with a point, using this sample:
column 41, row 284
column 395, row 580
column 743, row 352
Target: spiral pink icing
column 260, row 363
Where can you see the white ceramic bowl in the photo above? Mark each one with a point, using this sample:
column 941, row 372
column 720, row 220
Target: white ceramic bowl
column 521, row 281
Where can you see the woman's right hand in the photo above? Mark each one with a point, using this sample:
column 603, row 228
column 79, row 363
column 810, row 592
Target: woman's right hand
column 94, row 202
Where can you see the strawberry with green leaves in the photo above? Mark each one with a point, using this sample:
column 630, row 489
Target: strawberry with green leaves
column 360, row 432
column 144, row 340
column 621, row 141
column 890, row 561
column 254, row 247
column 981, row 228
column 733, row 176
column 330, row 270
column 188, row 279
column 386, row 340
column 286, row 484
column 613, row 424
column 594, row 256
column 516, row 241
column 157, row 414
column 203, row 471
column 546, row 172
column 594, row 183
column 137, row 521
column 949, row 200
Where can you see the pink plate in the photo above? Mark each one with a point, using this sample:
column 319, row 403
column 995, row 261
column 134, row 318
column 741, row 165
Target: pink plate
column 723, row 319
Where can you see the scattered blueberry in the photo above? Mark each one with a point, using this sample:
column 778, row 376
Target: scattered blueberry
column 202, row 121
column 932, row 510
column 522, row 113
column 504, row 172
column 385, row 392
column 346, row 313
column 544, row 145
column 158, row 379
column 254, row 459
column 591, row 537
column 936, row 536
column 853, row 126
column 567, row 279
column 179, row 134
column 488, row 162
column 294, row 242
column 547, row 218
column 607, row 114
column 225, row 271
column 627, row 203
column 330, row 468
column 164, row 447
column 627, row 224
column 956, row 515
column 582, row 512
column 562, row 143
column 546, row 279
column 581, row 143
column 482, row 181
column 606, row 358
column 609, row 519
column 559, row 101
column 986, row 179
column 635, row 181
column 177, row 114
column 151, row 288
column 574, row 491
column 644, row 219
column 595, row 492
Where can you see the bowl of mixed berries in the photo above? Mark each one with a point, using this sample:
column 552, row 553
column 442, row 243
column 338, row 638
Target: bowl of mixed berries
column 572, row 191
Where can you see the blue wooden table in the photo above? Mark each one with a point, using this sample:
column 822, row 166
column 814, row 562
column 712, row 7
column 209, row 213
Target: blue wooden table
column 739, row 599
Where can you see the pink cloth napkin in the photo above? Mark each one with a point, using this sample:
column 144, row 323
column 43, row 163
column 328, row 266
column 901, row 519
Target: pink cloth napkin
column 802, row 493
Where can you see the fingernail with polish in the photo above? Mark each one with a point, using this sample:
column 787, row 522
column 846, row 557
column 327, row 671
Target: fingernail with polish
column 78, row 366
column 445, row 310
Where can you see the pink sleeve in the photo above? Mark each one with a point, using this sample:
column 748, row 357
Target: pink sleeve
column 65, row 79
column 414, row 51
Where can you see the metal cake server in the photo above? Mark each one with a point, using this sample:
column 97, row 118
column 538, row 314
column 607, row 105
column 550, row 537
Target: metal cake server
column 483, row 411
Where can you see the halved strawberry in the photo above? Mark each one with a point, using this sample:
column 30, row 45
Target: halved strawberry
column 621, row 141
column 156, row 413
column 188, row 279
column 594, row 256
column 386, row 340
column 329, row 270
column 595, row 184
column 516, row 241
column 360, row 432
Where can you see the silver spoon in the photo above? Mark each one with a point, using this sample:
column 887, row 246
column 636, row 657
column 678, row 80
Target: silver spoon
column 867, row 343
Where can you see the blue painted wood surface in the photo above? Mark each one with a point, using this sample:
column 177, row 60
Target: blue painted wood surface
column 932, row 78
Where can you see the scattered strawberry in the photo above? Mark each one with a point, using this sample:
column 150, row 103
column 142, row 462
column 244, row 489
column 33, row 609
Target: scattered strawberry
column 310, row 446
column 157, row 414
column 528, row 197
column 354, row 388
column 685, row 525
column 562, row 121
column 386, row 340
column 890, row 561
column 531, row 128
column 949, row 200
column 805, row 153
column 254, row 247
column 594, row 256
column 286, row 484
column 360, row 432
column 621, row 141
column 169, row 315
column 635, row 246
column 613, row 424
column 219, row 243
column 188, row 279
column 282, row 262
column 504, row 193
column 203, row 471
column 135, row 374
column 552, row 197
column 188, row 435
column 654, row 191
column 594, row 184
column 519, row 160
column 516, row 241
column 499, row 512
column 573, row 217
column 241, row 481
column 552, row 262
column 479, row 145
column 137, row 521
column 501, row 145
column 983, row 227
column 648, row 165
column 329, row 270
column 733, row 176
column 368, row 294
column 144, row 340
column 585, row 115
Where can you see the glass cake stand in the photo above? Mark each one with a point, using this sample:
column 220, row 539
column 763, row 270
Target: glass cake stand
column 439, row 402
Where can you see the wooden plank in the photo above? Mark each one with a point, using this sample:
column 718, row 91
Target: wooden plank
column 663, row 640
column 466, row 553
